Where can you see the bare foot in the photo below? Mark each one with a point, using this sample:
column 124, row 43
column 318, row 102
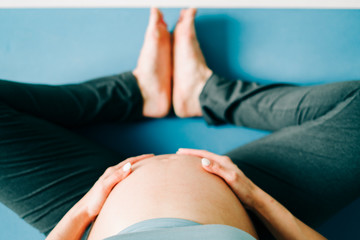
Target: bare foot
column 154, row 69
column 190, row 69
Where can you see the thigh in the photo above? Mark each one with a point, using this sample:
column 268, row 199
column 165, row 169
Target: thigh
column 313, row 169
column 45, row 169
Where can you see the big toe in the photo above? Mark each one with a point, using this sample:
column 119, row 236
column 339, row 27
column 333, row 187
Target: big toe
column 185, row 29
column 186, row 17
column 156, row 17
column 182, row 13
column 189, row 14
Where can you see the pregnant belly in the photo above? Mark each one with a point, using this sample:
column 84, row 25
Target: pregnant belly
column 172, row 186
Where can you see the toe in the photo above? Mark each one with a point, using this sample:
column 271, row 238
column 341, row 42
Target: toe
column 155, row 16
column 161, row 19
column 190, row 14
column 182, row 14
column 157, row 27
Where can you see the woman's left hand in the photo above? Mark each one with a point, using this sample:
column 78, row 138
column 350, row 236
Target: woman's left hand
column 75, row 221
column 93, row 200
column 224, row 167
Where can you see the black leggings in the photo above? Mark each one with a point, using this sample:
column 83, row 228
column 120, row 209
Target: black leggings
column 311, row 163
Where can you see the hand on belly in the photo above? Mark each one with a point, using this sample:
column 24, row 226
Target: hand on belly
column 169, row 186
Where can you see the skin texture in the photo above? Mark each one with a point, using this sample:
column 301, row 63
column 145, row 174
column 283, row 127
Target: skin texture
column 170, row 186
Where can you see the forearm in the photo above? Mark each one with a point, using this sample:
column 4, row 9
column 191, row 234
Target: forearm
column 72, row 226
column 281, row 223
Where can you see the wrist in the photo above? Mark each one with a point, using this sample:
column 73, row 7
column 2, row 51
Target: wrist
column 81, row 211
column 258, row 199
column 245, row 189
column 72, row 225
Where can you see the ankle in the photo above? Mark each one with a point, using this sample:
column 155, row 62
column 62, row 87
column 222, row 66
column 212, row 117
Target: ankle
column 156, row 101
column 156, row 109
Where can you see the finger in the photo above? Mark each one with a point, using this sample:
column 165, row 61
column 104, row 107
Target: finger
column 230, row 175
column 127, row 167
column 119, row 174
column 108, row 172
column 131, row 160
column 134, row 160
column 199, row 153
column 213, row 167
column 115, row 178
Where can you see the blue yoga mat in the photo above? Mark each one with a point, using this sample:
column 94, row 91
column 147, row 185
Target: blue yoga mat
column 56, row 46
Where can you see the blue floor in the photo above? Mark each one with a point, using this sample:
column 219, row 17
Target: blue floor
column 72, row 45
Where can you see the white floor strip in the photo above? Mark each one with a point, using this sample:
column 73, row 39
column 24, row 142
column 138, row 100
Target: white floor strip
column 340, row 4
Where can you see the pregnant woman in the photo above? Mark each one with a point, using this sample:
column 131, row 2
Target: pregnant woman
column 70, row 188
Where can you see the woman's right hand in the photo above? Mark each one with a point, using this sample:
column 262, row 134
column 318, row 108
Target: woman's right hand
column 281, row 223
column 223, row 167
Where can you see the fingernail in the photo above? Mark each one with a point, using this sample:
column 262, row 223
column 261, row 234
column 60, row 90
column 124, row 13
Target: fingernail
column 127, row 167
column 205, row 162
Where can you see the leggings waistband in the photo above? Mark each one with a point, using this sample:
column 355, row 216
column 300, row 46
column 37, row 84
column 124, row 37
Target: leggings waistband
column 150, row 224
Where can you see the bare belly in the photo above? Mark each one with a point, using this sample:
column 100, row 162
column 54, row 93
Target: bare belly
column 172, row 186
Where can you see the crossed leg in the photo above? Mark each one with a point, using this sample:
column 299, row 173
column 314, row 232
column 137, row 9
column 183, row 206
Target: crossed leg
column 44, row 167
column 311, row 162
